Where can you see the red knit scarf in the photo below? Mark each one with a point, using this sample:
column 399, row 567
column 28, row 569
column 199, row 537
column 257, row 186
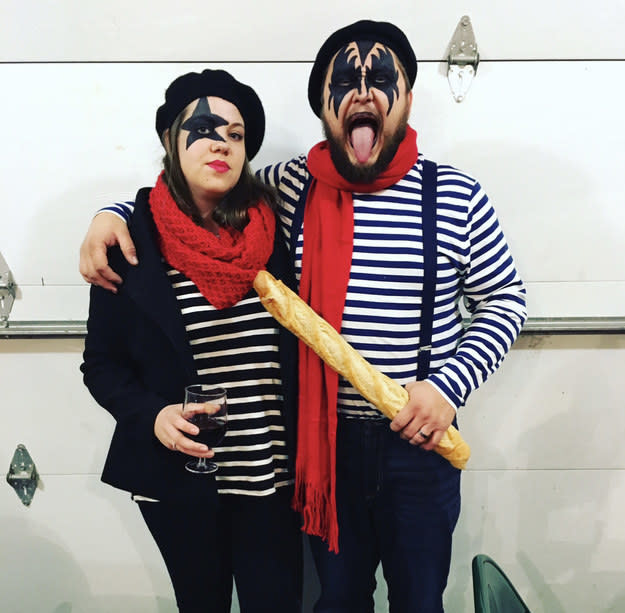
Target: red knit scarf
column 326, row 263
column 223, row 267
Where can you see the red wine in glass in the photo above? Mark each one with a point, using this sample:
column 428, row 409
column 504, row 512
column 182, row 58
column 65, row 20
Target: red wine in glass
column 212, row 429
column 207, row 408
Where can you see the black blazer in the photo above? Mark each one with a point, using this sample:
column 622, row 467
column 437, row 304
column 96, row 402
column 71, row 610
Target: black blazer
column 137, row 360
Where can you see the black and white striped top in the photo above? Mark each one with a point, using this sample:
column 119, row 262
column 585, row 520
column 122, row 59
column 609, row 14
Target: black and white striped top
column 237, row 348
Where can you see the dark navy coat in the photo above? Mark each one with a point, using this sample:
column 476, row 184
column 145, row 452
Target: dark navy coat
column 137, row 360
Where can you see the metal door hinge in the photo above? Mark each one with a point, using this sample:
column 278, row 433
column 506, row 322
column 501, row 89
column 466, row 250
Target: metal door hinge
column 7, row 293
column 22, row 475
column 462, row 60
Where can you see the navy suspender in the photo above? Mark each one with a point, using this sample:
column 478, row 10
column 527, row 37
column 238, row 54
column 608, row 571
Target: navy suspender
column 428, row 221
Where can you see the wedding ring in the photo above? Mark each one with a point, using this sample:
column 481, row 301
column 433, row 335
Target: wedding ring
column 425, row 436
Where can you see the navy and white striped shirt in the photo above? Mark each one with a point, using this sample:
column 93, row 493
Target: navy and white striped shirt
column 382, row 314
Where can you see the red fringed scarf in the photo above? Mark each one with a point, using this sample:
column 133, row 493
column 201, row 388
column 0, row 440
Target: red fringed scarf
column 223, row 267
column 326, row 263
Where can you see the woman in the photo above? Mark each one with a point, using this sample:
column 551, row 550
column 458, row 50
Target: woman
column 188, row 314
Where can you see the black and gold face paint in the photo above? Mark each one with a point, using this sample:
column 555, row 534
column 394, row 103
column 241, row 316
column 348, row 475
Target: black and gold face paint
column 350, row 72
column 202, row 123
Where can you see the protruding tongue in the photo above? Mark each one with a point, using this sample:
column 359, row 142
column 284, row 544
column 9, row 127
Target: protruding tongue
column 362, row 141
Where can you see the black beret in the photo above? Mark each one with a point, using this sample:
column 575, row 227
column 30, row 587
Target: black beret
column 375, row 31
column 220, row 84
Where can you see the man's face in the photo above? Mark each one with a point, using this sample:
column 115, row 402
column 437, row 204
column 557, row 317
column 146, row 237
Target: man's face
column 365, row 109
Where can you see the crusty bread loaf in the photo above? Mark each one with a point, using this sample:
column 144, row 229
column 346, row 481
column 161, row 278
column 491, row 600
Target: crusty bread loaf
column 381, row 391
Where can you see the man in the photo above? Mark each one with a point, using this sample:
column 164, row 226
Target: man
column 384, row 245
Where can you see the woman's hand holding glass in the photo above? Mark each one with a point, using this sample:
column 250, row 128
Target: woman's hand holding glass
column 170, row 428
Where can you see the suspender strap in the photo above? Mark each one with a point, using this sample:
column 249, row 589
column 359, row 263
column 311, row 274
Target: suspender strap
column 428, row 221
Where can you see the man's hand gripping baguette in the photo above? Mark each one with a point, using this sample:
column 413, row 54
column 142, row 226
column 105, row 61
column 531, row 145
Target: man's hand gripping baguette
column 382, row 391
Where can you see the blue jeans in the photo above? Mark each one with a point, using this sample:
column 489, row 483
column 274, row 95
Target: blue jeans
column 397, row 505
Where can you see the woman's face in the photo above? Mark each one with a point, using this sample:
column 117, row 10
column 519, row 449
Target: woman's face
column 211, row 147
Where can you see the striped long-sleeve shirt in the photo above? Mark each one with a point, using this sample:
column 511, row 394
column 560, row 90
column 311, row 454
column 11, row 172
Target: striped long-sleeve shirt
column 382, row 309
column 382, row 314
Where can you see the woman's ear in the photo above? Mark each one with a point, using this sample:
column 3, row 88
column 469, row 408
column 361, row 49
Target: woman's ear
column 166, row 142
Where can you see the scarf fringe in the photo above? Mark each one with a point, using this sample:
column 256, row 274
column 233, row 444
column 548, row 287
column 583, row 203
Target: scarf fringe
column 317, row 513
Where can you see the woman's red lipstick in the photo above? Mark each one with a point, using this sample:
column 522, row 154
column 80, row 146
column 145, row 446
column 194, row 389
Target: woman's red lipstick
column 219, row 166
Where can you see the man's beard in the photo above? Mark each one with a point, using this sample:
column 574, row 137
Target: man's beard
column 361, row 173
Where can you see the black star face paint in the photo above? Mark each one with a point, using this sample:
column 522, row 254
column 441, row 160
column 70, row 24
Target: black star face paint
column 203, row 123
column 345, row 77
column 362, row 66
column 383, row 75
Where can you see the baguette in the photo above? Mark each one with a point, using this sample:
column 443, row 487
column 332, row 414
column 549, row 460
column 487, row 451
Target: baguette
column 381, row 391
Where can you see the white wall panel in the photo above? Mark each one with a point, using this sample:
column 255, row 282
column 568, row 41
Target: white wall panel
column 51, row 412
column 274, row 30
column 82, row 547
column 543, row 492
column 556, row 403
column 546, row 408
column 558, row 534
column 544, row 138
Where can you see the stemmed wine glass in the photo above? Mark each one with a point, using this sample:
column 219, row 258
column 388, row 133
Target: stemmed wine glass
column 206, row 407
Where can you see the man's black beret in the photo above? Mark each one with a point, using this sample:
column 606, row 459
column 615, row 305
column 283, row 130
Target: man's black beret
column 220, row 84
column 375, row 31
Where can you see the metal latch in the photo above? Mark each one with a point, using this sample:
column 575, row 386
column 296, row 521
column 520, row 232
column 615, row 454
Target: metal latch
column 22, row 475
column 462, row 60
column 7, row 293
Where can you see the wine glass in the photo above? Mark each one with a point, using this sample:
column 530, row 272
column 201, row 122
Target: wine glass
column 206, row 407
